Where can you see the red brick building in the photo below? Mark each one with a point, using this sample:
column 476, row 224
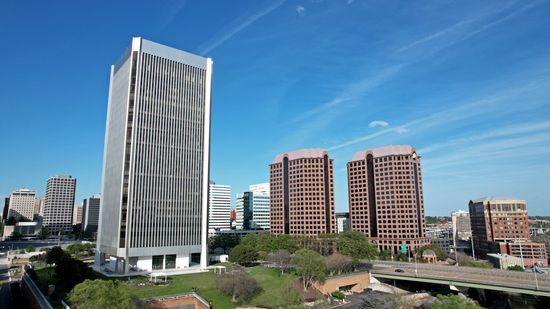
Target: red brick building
column 302, row 193
column 385, row 197
column 501, row 225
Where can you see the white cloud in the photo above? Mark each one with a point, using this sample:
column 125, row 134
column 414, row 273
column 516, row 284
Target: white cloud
column 378, row 123
column 300, row 10
column 240, row 27
column 401, row 130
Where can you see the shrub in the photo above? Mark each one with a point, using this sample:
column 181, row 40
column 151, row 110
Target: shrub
column 338, row 295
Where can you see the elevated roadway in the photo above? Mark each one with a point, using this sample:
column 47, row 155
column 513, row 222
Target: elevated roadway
column 491, row 279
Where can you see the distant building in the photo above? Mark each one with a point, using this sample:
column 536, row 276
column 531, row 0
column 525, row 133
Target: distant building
column 252, row 208
column 27, row 230
column 500, row 225
column 59, row 204
column 503, row 261
column 39, row 206
column 6, row 208
column 22, row 204
column 77, row 214
column 342, row 222
column 233, row 216
column 90, row 213
column 461, row 225
column 385, row 197
column 302, row 193
column 219, row 207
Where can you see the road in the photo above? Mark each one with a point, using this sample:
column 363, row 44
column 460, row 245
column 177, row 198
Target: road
column 497, row 277
column 22, row 244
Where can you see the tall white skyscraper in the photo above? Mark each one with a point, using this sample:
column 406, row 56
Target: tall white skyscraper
column 90, row 213
column 252, row 208
column 59, row 203
column 219, row 207
column 154, row 198
column 22, row 204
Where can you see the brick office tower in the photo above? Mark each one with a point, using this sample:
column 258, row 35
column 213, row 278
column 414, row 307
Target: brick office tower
column 501, row 225
column 302, row 193
column 385, row 197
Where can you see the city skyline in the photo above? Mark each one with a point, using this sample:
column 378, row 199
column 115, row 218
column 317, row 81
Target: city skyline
column 449, row 86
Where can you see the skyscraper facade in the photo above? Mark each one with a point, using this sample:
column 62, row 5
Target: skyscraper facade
column 219, row 207
column 385, row 197
column 252, row 208
column 59, row 203
column 154, row 200
column 90, row 213
column 22, row 204
column 302, row 193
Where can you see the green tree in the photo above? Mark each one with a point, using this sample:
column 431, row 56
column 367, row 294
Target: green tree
column 30, row 248
column 243, row 254
column 44, row 233
column 309, row 265
column 515, row 268
column 55, row 255
column 16, row 235
column 72, row 272
column 92, row 294
column 291, row 297
column 224, row 241
column 356, row 245
column 281, row 258
column 385, row 255
column 452, row 301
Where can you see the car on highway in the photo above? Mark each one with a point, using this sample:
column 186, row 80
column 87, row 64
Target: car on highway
column 399, row 270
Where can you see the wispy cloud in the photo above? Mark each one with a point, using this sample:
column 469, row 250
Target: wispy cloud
column 378, row 123
column 467, row 28
column 175, row 8
column 239, row 27
column 301, row 10
column 507, row 131
column 401, row 130
column 353, row 91
column 504, row 102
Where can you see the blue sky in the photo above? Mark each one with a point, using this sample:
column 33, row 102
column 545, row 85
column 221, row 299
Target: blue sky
column 465, row 82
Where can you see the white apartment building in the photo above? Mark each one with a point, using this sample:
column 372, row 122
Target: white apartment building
column 154, row 199
column 22, row 204
column 219, row 207
column 59, row 203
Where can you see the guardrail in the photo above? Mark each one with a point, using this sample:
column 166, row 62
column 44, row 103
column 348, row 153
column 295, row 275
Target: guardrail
column 33, row 293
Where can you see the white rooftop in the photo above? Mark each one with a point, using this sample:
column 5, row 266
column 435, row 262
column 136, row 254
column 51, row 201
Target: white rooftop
column 384, row 151
column 498, row 199
column 306, row 153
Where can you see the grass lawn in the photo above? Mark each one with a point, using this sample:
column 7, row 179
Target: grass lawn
column 271, row 281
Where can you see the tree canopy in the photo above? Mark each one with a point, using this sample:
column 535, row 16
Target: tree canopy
column 309, row 265
column 356, row 245
column 452, row 301
column 92, row 294
column 243, row 254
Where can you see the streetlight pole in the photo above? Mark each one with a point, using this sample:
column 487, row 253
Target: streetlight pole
column 473, row 250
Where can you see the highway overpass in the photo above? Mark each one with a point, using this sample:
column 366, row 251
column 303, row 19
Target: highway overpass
column 489, row 279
